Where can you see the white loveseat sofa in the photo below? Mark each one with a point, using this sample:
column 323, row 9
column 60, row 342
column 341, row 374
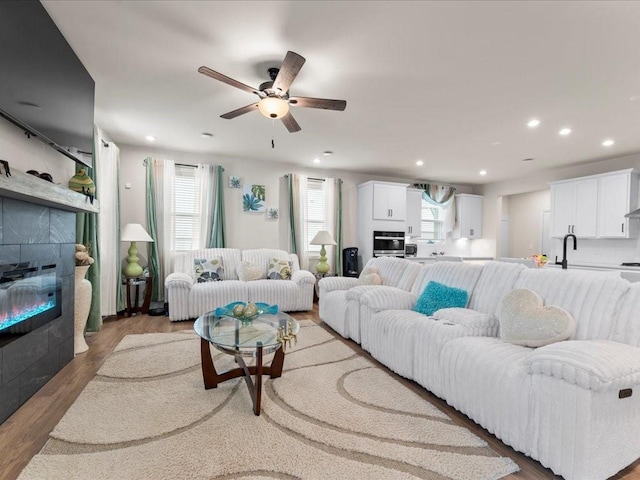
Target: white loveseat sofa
column 573, row 405
column 189, row 299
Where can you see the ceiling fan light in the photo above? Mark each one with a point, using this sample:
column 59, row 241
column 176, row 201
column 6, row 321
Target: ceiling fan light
column 273, row 107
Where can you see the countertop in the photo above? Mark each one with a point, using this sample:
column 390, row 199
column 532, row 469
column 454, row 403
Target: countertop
column 435, row 257
column 596, row 266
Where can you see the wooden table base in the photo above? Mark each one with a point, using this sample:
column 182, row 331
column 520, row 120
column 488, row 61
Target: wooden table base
column 212, row 378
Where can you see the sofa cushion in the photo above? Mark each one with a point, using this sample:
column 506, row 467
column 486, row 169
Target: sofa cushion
column 369, row 276
column 590, row 297
column 262, row 257
column 279, row 269
column 437, row 295
column 525, row 321
column 208, row 269
column 248, row 272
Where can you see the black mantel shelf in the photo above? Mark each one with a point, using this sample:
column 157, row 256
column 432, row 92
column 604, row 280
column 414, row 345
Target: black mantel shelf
column 28, row 188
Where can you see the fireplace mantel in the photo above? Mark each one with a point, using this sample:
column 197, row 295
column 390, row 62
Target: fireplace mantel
column 28, row 188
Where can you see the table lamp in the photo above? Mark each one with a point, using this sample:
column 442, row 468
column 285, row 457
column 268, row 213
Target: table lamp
column 323, row 238
column 133, row 232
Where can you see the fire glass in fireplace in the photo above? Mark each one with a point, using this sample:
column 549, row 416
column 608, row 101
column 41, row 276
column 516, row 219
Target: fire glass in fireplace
column 29, row 297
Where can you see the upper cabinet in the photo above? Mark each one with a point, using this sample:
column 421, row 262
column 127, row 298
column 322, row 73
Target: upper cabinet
column 468, row 216
column 414, row 212
column 573, row 207
column 617, row 196
column 595, row 206
column 389, row 201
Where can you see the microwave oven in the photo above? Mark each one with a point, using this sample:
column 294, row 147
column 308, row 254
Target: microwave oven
column 388, row 244
column 410, row 249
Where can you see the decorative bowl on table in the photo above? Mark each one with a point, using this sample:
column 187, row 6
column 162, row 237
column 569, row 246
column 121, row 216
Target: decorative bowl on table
column 246, row 312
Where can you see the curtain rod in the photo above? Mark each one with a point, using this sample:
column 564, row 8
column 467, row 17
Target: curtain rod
column 144, row 162
column 286, row 175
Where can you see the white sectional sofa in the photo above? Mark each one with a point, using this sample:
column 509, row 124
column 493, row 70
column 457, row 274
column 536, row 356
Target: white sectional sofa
column 573, row 405
column 189, row 299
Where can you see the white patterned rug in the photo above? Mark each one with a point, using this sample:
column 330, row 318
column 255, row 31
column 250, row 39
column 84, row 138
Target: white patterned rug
column 332, row 415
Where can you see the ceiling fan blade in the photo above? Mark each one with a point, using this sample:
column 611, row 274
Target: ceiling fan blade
column 288, row 71
column 240, row 111
column 229, row 81
column 324, row 103
column 290, row 123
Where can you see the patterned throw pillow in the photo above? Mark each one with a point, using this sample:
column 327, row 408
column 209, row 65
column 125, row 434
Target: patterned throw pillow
column 436, row 296
column 279, row 269
column 208, row 270
column 247, row 271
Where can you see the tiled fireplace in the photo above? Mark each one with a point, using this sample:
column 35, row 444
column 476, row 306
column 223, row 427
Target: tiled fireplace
column 37, row 244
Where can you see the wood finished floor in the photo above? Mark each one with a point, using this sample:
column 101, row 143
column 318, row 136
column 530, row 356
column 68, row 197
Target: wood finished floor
column 26, row 431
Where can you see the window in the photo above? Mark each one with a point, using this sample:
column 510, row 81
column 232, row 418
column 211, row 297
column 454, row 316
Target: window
column 431, row 227
column 185, row 221
column 315, row 211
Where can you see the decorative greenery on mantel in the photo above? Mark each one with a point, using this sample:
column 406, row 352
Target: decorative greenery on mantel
column 28, row 188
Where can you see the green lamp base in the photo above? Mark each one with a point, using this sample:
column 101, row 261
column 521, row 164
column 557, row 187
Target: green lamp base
column 132, row 268
column 322, row 266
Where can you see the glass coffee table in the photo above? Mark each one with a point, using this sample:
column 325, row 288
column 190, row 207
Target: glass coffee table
column 263, row 335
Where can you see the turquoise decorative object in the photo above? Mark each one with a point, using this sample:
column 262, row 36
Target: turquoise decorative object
column 437, row 295
column 246, row 312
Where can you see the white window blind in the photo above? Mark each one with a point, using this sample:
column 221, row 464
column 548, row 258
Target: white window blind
column 431, row 226
column 186, row 210
column 315, row 211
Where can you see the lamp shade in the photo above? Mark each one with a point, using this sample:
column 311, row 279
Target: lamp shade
column 134, row 232
column 273, row 107
column 323, row 238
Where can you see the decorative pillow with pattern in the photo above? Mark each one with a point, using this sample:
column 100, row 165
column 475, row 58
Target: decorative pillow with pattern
column 369, row 276
column 279, row 269
column 247, row 271
column 208, row 270
column 437, row 295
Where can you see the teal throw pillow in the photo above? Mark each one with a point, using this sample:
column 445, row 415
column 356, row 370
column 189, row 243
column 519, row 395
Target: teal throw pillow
column 436, row 296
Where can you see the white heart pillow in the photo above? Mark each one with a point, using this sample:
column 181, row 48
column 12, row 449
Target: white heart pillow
column 525, row 321
column 247, row 271
column 369, row 276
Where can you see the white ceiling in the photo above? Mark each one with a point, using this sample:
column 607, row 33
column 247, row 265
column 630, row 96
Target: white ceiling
column 439, row 81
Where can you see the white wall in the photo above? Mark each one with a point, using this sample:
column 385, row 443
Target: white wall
column 24, row 154
column 244, row 230
column 525, row 230
column 592, row 251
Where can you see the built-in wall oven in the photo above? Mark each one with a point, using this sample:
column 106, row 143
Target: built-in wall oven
column 388, row 244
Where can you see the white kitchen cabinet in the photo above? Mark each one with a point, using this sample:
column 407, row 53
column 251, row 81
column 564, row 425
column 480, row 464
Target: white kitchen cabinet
column 594, row 206
column 468, row 216
column 389, row 201
column 414, row 212
column 381, row 206
column 617, row 196
column 573, row 208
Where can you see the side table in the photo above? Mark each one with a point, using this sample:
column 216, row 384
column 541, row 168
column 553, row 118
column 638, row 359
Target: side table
column 133, row 290
column 316, row 291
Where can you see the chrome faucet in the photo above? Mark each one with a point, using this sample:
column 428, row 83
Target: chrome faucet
column 564, row 248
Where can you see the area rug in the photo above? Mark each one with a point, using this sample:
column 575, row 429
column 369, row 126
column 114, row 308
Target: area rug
column 332, row 415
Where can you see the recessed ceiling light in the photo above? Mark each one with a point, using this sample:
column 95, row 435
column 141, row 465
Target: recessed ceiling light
column 150, row 138
column 206, row 135
column 533, row 123
column 496, row 143
column 327, row 153
column 634, row 98
column 483, row 172
column 608, row 143
column 527, row 159
column 316, row 160
column 565, row 131
column 419, row 163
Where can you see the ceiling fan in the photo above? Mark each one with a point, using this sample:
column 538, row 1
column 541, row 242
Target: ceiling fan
column 274, row 95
